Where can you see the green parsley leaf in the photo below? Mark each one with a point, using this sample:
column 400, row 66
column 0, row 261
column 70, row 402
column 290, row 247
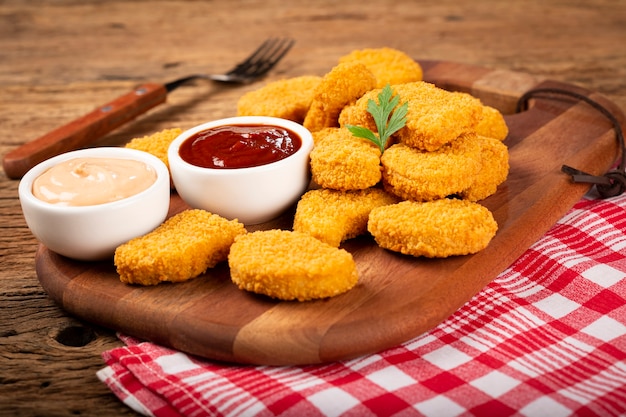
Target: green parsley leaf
column 386, row 119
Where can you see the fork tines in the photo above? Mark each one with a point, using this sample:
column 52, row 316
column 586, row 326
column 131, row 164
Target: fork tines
column 263, row 59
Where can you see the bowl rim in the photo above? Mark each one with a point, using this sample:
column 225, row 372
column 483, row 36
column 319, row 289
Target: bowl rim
column 25, row 193
column 305, row 136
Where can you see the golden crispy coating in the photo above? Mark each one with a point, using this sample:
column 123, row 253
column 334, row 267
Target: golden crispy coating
column 492, row 125
column 343, row 85
column 435, row 117
column 320, row 135
column 287, row 99
column 183, row 247
column 389, row 66
column 344, row 162
column 493, row 172
column 156, row 144
column 423, row 176
column 334, row 216
column 434, row 229
column 290, row 266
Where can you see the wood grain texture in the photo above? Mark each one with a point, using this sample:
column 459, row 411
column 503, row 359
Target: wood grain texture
column 59, row 59
column 397, row 297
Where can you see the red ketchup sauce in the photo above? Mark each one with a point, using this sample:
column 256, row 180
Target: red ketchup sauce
column 239, row 146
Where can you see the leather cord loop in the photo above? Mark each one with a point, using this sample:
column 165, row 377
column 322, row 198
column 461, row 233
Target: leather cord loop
column 617, row 185
column 612, row 183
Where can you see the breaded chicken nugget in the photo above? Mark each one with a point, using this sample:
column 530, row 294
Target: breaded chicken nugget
column 435, row 117
column 434, row 229
column 290, row 266
column 492, row 124
column 389, row 66
column 287, row 99
column 320, row 135
column 335, row 216
column 344, row 162
column 343, row 85
column 418, row 175
column 183, row 247
column 493, row 172
column 156, row 144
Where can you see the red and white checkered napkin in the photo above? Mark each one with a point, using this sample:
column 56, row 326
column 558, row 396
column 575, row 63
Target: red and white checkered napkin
column 546, row 338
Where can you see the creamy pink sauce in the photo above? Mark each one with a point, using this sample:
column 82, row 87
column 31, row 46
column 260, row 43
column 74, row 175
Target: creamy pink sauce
column 92, row 181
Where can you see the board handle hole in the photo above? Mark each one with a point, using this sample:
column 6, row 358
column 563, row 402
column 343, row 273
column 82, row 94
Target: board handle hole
column 76, row 336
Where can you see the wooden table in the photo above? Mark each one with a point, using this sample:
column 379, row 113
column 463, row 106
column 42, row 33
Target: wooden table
column 60, row 59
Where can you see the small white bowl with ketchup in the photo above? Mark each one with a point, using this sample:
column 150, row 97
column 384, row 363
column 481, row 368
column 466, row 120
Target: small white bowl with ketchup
column 84, row 204
column 250, row 168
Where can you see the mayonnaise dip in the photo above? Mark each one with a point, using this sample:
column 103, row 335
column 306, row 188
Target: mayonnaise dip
column 92, row 181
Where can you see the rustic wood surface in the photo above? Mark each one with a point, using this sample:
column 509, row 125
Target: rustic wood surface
column 60, row 59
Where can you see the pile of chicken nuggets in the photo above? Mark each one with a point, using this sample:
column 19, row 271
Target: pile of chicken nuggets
column 419, row 196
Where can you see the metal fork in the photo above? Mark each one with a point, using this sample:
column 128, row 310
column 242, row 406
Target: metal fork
column 259, row 63
column 91, row 127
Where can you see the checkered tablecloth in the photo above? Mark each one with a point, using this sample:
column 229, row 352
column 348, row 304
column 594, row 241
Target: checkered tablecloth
column 546, row 338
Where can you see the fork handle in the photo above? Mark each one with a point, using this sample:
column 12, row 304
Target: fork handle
column 84, row 130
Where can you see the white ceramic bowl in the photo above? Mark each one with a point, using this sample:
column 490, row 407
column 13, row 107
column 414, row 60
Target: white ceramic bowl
column 252, row 195
column 93, row 232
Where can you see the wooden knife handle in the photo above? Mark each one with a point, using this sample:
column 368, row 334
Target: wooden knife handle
column 85, row 130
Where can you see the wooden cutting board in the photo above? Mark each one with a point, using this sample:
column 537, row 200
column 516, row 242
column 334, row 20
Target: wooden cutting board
column 398, row 297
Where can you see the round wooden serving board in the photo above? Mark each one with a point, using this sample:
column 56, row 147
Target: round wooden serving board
column 398, row 297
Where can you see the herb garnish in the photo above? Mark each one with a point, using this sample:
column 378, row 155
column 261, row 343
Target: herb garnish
column 387, row 120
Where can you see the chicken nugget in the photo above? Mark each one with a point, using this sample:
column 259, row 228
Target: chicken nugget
column 288, row 99
column 389, row 66
column 492, row 124
column 156, row 143
column 335, row 216
column 434, row 229
column 343, row 85
column 183, row 247
column 322, row 134
column 290, row 266
column 418, row 175
column 494, row 169
column 435, row 117
column 344, row 162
